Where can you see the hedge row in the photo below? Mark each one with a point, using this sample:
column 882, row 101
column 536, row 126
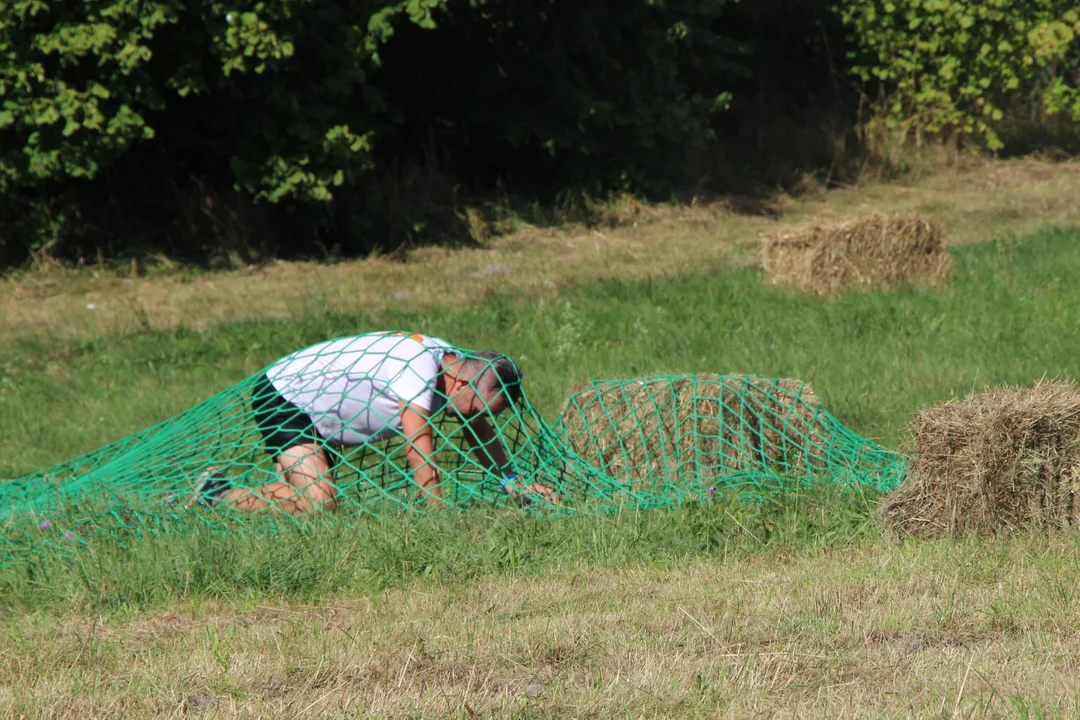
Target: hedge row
column 195, row 128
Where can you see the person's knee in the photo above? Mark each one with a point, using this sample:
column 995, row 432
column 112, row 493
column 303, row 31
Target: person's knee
column 307, row 491
column 307, row 455
column 322, row 495
column 282, row 498
column 324, row 491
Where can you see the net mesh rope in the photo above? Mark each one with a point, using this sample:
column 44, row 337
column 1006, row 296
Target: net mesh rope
column 617, row 444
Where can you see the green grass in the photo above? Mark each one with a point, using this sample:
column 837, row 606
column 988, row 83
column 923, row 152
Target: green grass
column 116, row 574
column 796, row 605
column 868, row 630
column 874, row 358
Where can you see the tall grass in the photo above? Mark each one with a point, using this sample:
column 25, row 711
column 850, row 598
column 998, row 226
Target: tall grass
column 111, row 573
column 1009, row 316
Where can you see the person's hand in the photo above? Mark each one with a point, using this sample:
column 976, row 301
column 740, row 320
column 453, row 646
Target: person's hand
column 531, row 489
column 431, row 488
column 543, row 491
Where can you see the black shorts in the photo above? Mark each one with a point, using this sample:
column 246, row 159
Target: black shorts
column 282, row 424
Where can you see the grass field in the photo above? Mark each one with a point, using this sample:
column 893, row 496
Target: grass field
column 798, row 608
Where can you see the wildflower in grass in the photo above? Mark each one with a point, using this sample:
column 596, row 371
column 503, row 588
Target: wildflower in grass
column 68, row 534
column 46, row 524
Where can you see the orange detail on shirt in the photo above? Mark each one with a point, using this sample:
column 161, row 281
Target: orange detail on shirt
column 415, row 336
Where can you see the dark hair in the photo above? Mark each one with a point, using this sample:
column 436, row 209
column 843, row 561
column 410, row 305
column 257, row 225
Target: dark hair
column 496, row 371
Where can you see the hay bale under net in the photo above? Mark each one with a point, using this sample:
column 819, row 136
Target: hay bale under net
column 881, row 250
column 1002, row 460
column 646, row 429
column 687, row 434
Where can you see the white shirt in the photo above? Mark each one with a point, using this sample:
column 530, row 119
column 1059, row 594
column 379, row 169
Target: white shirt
column 351, row 387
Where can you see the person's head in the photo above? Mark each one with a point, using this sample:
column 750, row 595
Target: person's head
column 484, row 381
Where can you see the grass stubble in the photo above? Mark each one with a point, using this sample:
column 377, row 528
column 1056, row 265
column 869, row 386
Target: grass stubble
column 862, row 627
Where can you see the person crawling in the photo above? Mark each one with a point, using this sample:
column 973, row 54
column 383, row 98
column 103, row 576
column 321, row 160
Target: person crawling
column 356, row 390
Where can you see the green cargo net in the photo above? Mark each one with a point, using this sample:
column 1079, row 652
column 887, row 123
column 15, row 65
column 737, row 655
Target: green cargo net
column 322, row 434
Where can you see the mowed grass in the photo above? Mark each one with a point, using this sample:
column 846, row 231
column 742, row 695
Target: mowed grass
column 795, row 608
column 975, row 200
column 970, row 629
column 856, row 627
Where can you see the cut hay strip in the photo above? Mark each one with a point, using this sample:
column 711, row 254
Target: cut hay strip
column 685, row 430
column 881, row 250
column 1003, row 460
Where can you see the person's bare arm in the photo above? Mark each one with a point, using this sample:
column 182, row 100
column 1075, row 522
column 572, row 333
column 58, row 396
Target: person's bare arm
column 487, row 448
column 420, row 451
column 490, row 453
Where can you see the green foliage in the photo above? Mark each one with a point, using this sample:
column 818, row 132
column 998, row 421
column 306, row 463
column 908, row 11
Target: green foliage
column 954, row 68
column 83, row 82
column 608, row 91
column 295, row 103
column 74, row 86
column 292, row 127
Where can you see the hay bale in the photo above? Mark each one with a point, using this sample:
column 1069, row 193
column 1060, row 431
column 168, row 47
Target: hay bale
column 882, row 250
column 713, row 434
column 1002, row 460
column 663, row 431
column 626, row 429
column 791, row 440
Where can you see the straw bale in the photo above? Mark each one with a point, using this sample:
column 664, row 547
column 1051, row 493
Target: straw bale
column 880, row 250
column 787, row 410
column 626, row 429
column 658, row 431
column 998, row 461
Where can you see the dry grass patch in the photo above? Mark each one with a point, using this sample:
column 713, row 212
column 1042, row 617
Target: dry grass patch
column 874, row 631
column 880, row 250
column 1002, row 460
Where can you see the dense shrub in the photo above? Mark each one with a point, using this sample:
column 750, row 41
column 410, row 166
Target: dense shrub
column 245, row 128
column 291, row 102
column 952, row 69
